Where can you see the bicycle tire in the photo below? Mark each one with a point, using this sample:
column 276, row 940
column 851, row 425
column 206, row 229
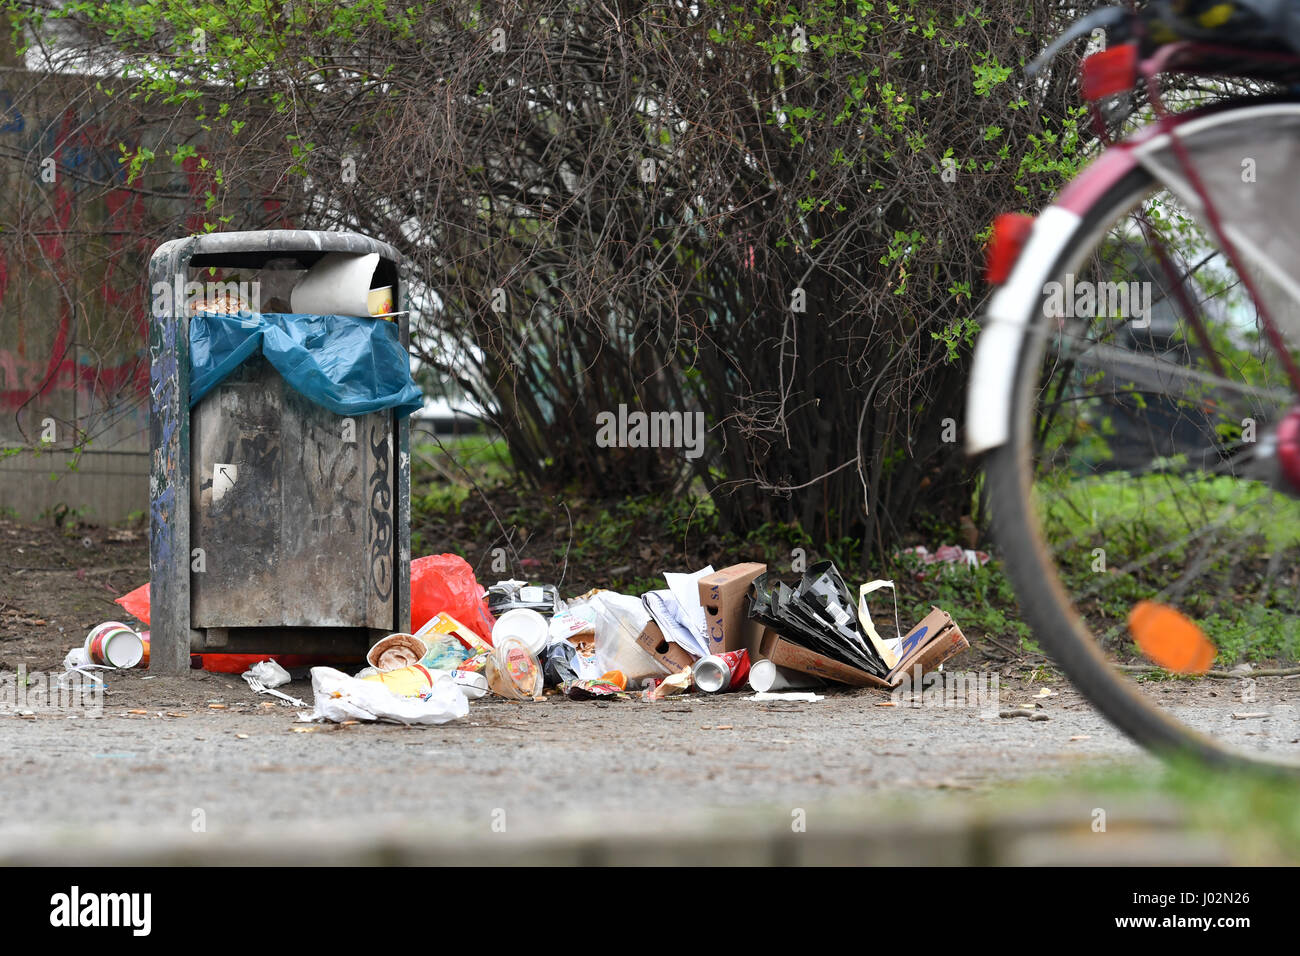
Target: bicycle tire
column 1043, row 600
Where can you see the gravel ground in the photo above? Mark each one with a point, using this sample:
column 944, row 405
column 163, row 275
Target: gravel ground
column 178, row 763
column 249, row 764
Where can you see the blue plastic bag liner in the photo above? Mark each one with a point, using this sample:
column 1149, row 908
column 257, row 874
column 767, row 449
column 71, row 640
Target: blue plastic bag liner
column 347, row 364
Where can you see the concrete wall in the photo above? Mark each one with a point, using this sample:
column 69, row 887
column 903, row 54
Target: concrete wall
column 75, row 239
column 102, row 487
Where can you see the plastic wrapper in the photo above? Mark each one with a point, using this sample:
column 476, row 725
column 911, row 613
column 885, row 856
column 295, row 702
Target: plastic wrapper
column 268, row 673
column 446, row 653
column 443, row 623
column 136, row 603
column 558, row 665
column 670, row 686
column 574, row 619
column 513, row 595
column 339, row 697
column 619, row 619
column 598, row 689
column 572, row 647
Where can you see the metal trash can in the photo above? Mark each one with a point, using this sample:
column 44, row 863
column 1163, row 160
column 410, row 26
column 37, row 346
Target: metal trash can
column 275, row 526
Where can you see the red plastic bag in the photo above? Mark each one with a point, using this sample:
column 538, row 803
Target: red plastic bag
column 446, row 582
column 137, row 602
column 439, row 582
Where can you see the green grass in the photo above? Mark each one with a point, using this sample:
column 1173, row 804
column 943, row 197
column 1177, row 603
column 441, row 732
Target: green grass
column 1153, row 527
column 1257, row 815
column 1117, row 500
column 480, row 459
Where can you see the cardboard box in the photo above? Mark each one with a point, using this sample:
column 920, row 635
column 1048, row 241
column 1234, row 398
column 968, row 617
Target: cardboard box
column 723, row 597
column 930, row 643
column 935, row 639
column 784, row 653
column 665, row 652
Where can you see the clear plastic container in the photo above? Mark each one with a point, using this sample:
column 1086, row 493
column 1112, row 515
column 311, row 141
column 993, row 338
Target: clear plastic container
column 514, row 671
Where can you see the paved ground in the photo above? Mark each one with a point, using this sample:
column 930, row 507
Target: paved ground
column 250, row 764
column 163, row 780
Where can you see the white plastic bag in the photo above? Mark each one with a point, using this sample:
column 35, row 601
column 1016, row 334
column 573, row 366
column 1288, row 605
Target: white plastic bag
column 621, row 619
column 339, row 697
column 268, row 673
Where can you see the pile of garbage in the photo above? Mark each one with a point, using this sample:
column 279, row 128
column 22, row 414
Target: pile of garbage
column 708, row 631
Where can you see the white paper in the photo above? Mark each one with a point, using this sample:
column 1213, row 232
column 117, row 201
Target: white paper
column 670, row 617
column 338, row 284
column 686, row 589
column 678, row 611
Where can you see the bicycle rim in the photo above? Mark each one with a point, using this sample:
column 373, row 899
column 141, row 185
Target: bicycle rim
column 1135, row 483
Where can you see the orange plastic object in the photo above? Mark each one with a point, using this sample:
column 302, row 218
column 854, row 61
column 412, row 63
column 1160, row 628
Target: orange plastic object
column 1170, row 639
column 446, row 582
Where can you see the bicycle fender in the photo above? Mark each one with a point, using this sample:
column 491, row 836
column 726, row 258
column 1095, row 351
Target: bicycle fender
column 1013, row 306
column 997, row 351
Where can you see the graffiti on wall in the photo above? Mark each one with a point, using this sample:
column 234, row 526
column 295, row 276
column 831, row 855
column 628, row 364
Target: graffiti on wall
column 75, row 241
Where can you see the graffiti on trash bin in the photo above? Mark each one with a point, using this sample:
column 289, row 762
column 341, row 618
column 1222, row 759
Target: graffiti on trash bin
column 381, row 517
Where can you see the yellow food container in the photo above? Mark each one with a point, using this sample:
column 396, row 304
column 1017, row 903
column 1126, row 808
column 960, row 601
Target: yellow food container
column 380, row 301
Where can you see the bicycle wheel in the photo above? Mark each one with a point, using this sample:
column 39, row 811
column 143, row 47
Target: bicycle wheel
column 1139, row 469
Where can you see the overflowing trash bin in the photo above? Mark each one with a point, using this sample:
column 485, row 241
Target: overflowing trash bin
column 279, row 488
column 280, row 388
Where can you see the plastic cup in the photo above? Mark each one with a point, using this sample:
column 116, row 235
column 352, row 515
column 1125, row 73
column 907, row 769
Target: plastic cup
column 113, row 644
column 472, row 684
column 765, row 676
column 523, row 624
column 380, row 301
column 513, row 670
column 397, row 651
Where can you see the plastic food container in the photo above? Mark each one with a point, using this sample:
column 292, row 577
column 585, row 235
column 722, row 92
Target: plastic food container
column 525, row 625
column 514, row 671
column 396, row 651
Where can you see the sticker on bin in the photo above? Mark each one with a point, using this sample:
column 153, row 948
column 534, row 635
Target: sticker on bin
column 223, row 479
